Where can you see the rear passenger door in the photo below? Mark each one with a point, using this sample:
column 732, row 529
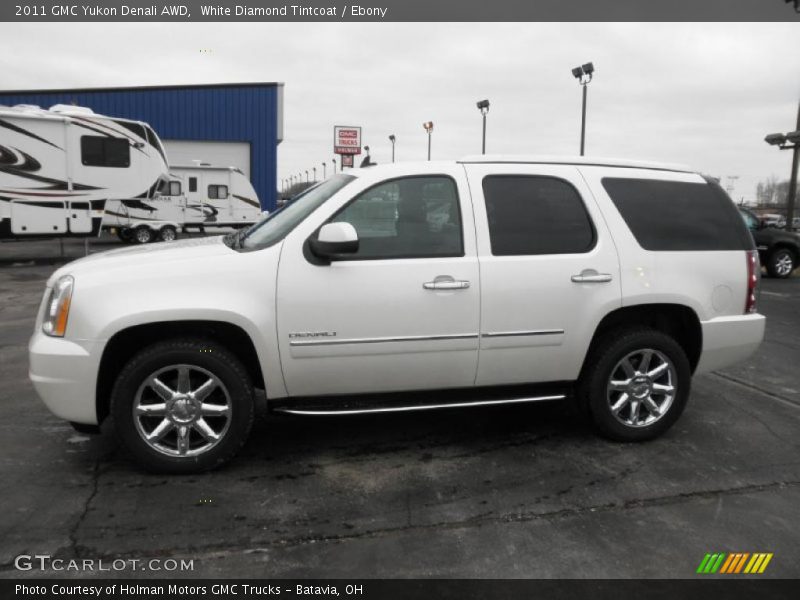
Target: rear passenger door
column 549, row 271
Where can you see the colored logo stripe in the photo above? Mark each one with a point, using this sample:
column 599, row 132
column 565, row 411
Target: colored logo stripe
column 735, row 562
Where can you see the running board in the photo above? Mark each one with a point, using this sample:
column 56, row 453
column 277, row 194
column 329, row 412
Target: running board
column 332, row 411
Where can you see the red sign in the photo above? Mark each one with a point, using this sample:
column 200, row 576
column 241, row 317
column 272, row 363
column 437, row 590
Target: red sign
column 347, row 160
column 346, row 140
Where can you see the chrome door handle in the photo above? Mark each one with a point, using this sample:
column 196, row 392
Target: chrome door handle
column 445, row 282
column 591, row 276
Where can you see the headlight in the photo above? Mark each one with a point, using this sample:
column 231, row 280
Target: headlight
column 57, row 307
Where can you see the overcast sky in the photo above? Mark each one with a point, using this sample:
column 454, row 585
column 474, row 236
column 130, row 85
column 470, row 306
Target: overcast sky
column 700, row 94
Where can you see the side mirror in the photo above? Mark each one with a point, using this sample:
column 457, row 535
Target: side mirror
column 334, row 239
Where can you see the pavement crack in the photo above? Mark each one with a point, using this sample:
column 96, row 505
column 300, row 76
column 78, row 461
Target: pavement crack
column 75, row 548
column 751, row 387
column 477, row 520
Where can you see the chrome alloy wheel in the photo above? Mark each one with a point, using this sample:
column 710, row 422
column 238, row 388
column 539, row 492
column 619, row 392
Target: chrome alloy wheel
column 182, row 410
column 784, row 264
column 641, row 388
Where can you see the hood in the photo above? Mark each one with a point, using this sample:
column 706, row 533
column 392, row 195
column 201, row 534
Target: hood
column 155, row 255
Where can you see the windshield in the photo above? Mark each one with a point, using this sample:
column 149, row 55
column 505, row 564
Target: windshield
column 276, row 225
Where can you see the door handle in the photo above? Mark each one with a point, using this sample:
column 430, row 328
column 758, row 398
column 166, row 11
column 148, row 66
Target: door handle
column 591, row 276
column 445, row 282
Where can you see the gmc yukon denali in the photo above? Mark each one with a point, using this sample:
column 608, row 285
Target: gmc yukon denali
column 477, row 282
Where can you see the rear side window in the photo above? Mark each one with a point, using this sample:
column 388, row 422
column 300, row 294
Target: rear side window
column 536, row 215
column 678, row 215
column 192, row 184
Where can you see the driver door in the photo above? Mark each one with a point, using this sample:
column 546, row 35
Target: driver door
column 380, row 320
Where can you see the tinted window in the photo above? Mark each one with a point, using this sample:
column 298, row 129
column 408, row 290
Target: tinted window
column 99, row 151
column 535, row 215
column 192, row 184
column 750, row 220
column 676, row 215
column 218, row 192
column 174, row 188
column 412, row 217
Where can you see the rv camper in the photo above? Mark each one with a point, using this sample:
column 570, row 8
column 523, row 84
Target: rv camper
column 59, row 167
column 196, row 196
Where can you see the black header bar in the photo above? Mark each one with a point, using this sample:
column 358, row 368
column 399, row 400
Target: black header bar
column 399, row 10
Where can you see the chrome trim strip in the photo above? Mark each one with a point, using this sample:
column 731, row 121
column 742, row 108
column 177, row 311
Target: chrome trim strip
column 364, row 411
column 406, row 338
column 494, row 334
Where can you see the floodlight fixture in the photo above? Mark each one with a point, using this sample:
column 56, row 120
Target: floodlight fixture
column 775, row 139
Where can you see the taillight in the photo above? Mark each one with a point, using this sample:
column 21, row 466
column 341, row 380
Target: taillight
column 753, row 271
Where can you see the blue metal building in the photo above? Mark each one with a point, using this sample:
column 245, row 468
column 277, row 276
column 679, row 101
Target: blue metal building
column 233, row 112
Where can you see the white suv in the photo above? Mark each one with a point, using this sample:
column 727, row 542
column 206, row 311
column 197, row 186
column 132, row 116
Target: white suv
column 410, row 287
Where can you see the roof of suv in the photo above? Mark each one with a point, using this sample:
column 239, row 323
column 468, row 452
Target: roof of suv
column 575, row 160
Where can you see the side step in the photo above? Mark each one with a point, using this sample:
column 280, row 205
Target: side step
column 418, row 401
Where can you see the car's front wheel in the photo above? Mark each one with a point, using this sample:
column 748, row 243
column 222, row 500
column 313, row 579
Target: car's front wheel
column 636, row 384
column 183, row 406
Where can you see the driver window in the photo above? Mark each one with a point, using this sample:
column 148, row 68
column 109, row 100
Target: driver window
column 413, row 217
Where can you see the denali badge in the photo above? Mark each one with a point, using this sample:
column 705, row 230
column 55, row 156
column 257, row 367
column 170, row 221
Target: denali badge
column 312, row 334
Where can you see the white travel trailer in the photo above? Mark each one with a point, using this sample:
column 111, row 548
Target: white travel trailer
column 196, row 196
column 59, row 167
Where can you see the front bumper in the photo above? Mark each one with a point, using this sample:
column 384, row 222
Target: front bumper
column 729, row 340
column 64, row 373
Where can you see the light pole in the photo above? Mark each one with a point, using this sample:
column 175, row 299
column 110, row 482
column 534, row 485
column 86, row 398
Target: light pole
column 483, row 106
column 789, row 141
column 307, row 176
column 428, row 125
column 315, row 173
column 333, row 161
column 392, row 139
column 584, row 75
column 324, row 170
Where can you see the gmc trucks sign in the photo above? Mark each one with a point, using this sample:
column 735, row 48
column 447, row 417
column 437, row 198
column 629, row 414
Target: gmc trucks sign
column 346, row 140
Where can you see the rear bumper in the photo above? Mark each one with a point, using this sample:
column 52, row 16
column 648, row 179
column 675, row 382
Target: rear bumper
column 64, row 373
column 729, row 340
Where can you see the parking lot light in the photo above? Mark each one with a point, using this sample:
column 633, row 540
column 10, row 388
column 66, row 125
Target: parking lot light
column 584, row 75
column 483, row 106
column 789, row 141
column 392, row 139
column 428, row 126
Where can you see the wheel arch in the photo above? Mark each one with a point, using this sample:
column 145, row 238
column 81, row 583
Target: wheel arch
column 124, row 344
column 677, row 320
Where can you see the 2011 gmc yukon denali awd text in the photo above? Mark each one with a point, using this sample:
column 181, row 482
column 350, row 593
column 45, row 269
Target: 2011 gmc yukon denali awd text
column 410, row 287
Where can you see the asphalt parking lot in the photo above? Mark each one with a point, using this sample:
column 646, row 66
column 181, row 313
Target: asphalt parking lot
column 504, row 492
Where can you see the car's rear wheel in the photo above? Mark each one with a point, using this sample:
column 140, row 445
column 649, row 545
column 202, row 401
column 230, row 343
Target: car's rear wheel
column 183, row 406
column 635, row 385
column 781, row 263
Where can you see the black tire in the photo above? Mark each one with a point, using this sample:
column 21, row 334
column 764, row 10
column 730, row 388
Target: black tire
column 125, row 234
column 143, row 235
column 168, row 234
column 203, row 355
column 781, row 263
column 603, row 365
